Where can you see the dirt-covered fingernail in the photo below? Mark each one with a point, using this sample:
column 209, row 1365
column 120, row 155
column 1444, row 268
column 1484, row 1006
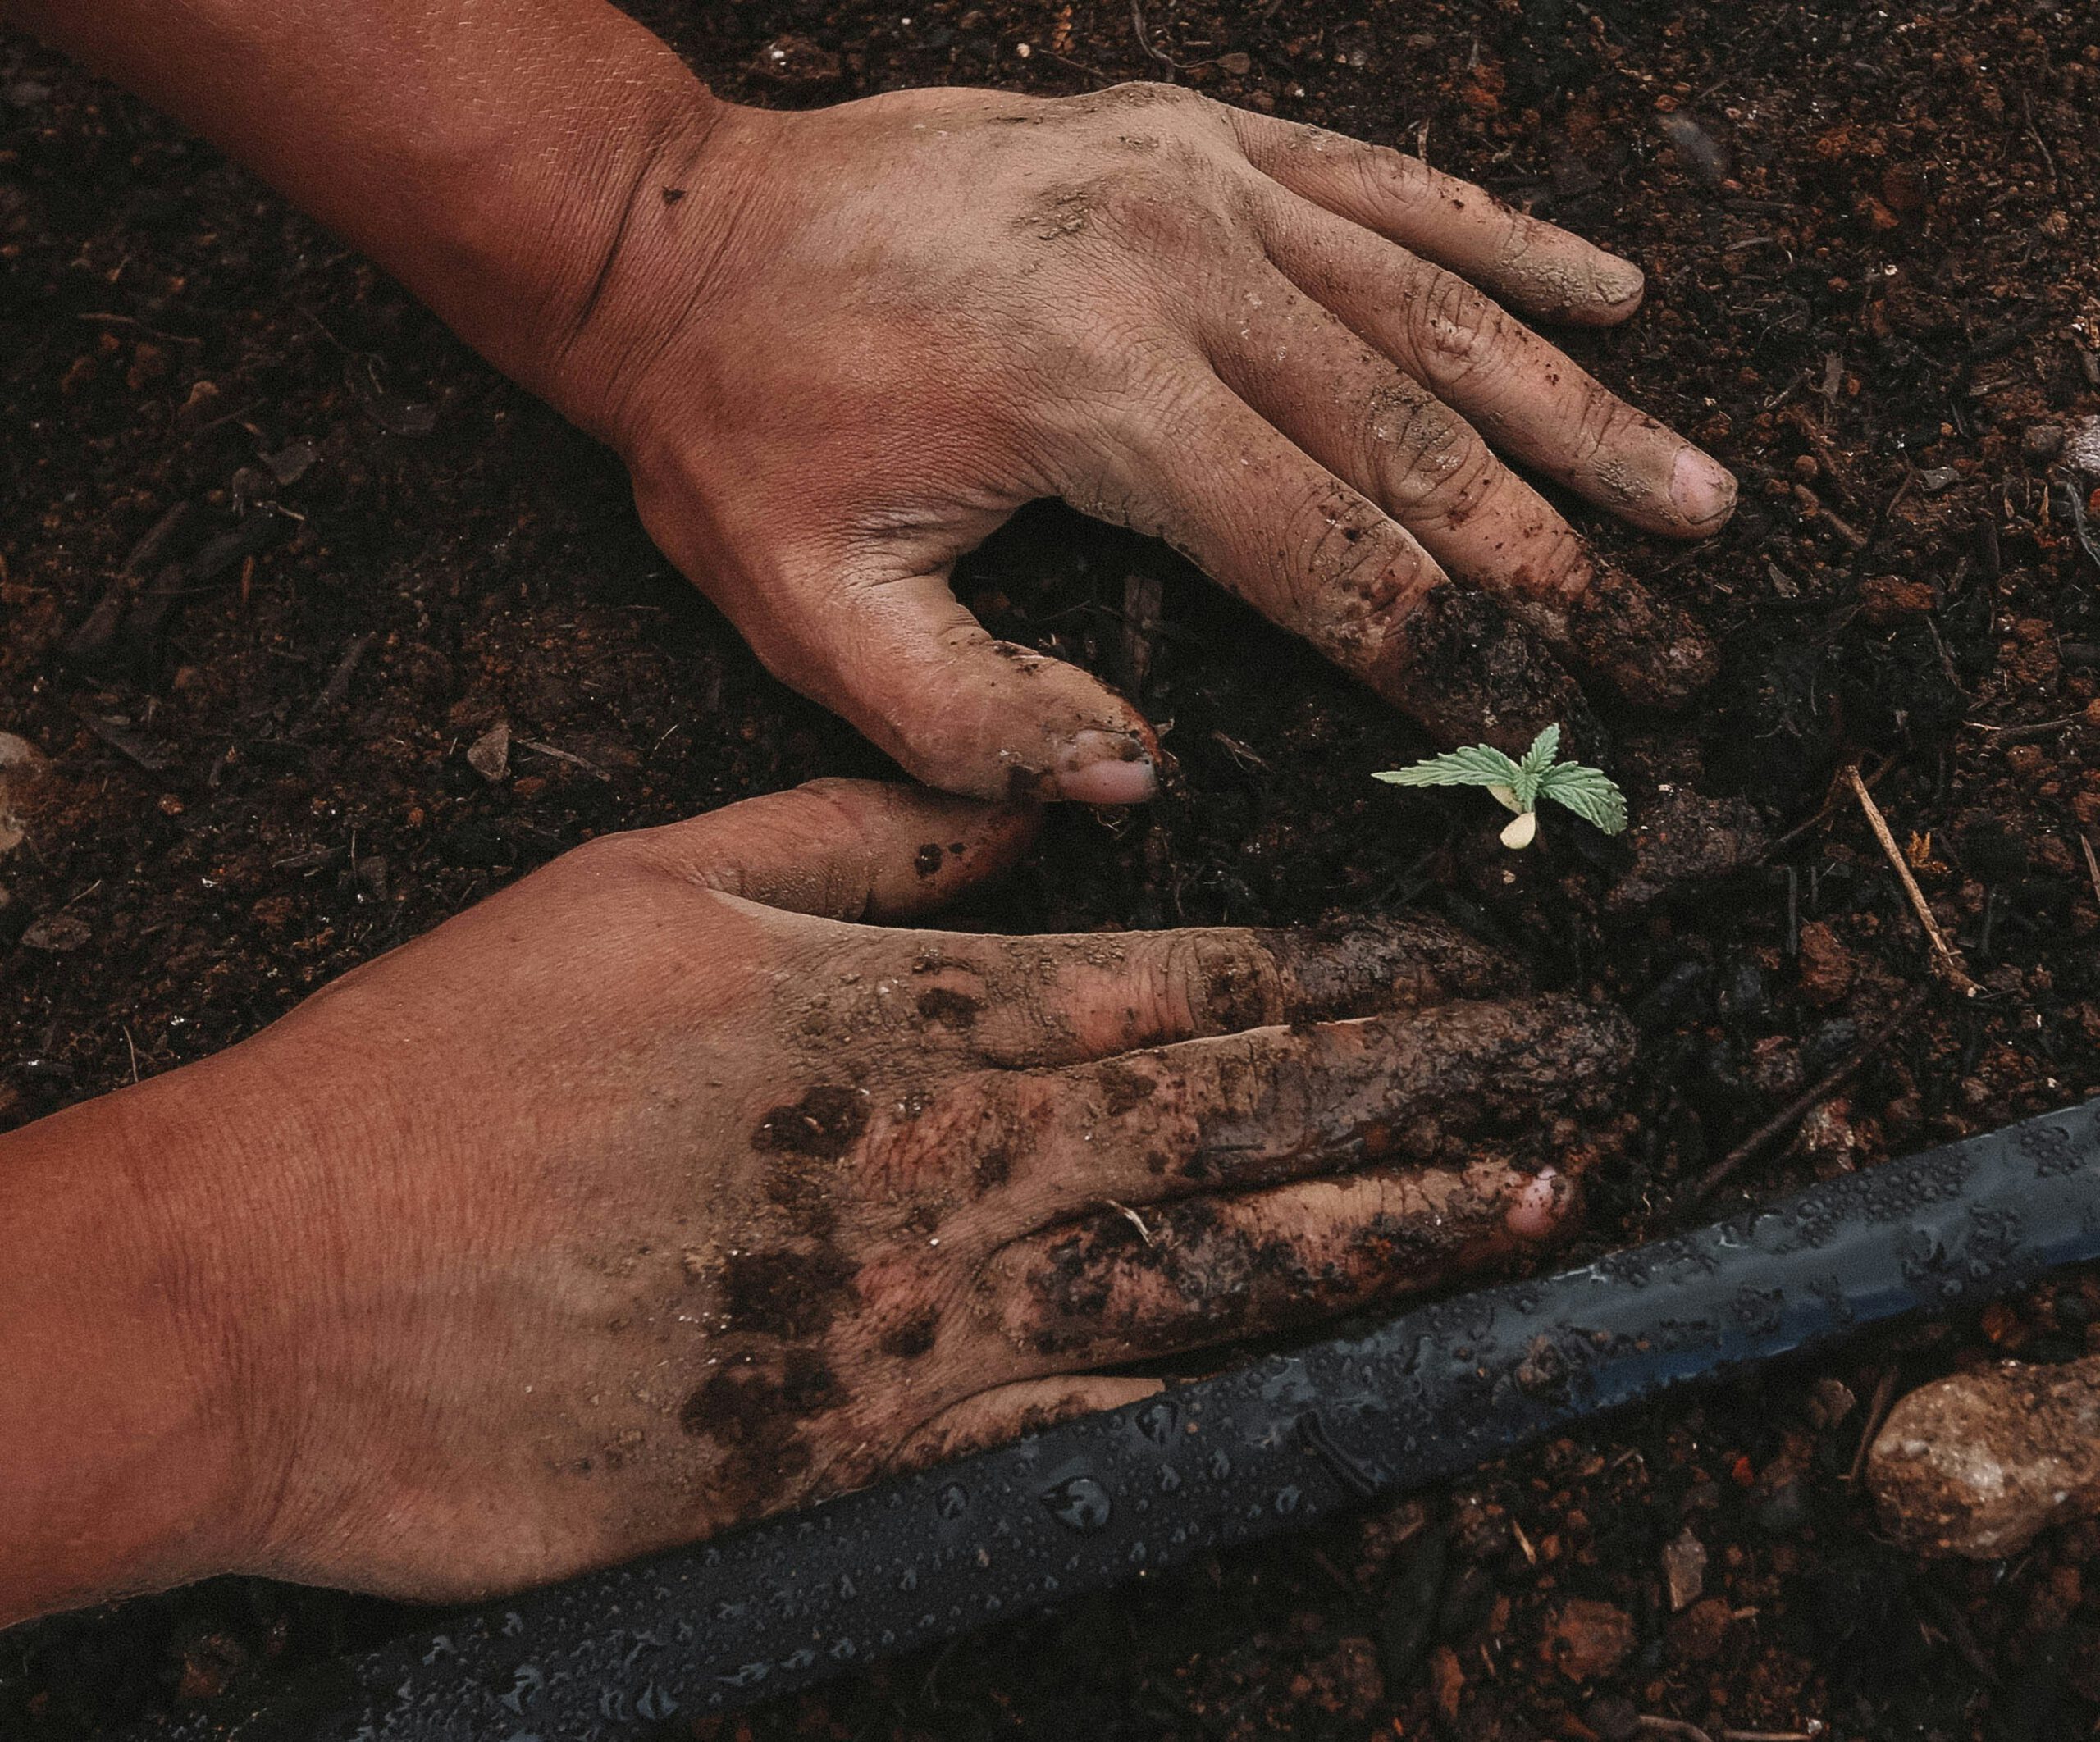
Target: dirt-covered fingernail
column 1619, row 282
column 1106, row 767
column 1701, row 489
column 1539, row 1207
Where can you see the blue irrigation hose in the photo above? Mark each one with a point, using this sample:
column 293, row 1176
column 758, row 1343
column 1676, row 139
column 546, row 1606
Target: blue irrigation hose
column 1270, row 1446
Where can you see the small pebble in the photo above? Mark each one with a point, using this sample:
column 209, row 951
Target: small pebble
column 1831, row 1402
column 58, row 934
column 2042, row 442
column 2083, row 449
column 290, row 463
column 1684, row 1570
column 1586, row 1639
column 1934, row 479
column 1980, row 1465
column 489, row 755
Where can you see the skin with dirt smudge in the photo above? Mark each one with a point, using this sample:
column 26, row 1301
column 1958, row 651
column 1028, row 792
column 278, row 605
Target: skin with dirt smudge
column 838, row 348
column 724, row 1207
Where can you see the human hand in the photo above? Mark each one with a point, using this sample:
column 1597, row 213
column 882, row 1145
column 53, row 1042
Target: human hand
column 653, row 1195
column 838, row 348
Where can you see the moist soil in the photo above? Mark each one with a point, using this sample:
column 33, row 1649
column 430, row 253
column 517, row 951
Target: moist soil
column 1870, row 235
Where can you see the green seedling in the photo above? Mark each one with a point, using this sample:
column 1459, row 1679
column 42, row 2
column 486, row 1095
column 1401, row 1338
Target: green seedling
column 1518, row 785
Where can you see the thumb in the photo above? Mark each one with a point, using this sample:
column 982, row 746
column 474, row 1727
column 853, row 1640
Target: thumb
column 903, row 660
column 844, row 849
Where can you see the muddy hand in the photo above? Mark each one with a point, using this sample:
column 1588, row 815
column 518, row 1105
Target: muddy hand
column 838, row 348
column 656, row 1194
column 875, row 331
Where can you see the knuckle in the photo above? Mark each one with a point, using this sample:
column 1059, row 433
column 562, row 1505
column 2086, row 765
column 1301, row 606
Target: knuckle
column 1460, row 333
column 1219, row 983
column 1387, row 177
column 1365, row 578
column 1424, row 454
column 1603, row 423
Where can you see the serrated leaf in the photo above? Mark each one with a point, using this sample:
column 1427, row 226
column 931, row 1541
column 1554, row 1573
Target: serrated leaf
column 1532, row 769
column 1590, row 793
column 1477, row 765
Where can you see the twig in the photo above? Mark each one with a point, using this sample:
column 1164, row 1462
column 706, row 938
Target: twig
column 1947, row 957
column 99, row 318
column 1669, row 1726
column 1884, row 1394
column 1773, row 1735
column 2041, row 144
column 2092, row 864
column 560, row 754
column 1145, row 41
column 1802, row 1105
column 1132, row 1217
column 2018, row 734
column 1823, row 811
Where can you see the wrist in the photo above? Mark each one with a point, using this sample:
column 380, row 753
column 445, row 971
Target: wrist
column 128, row 1433
column 525, row 253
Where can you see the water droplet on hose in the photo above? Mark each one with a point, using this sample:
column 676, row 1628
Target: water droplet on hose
column 1156, row 1420
column 1079, row 1503
column 951, row 1501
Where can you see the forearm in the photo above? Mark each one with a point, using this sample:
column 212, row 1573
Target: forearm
column 484, row 152
column 122, row 1457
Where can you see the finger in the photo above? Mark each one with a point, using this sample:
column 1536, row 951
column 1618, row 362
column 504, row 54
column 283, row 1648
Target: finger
column 900, row 656
column 1265, row 519
column 1126, row 1285
column 1006, row 1412
column 1538, row 268
column 1526, row 396
column 1273, row 1104
column 844, row 849
column 1035, row 1002
column 1355, row 411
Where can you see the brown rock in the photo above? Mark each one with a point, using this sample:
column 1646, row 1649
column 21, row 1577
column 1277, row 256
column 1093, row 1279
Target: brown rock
column 1981, row 1464
column 1698, row 1635
column 1684, row 1570
column 22, row 766
column 1585, row 1640
column 797, row 63
column 1346, row 1682
column 2042, row 442
column 1826, row 966
column 1889, row 598
column 1448, row 1681
column 489, row 755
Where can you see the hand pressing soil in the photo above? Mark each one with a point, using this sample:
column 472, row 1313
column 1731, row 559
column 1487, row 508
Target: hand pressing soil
column 838, row 348
column 882, row 328
column 656, row 1194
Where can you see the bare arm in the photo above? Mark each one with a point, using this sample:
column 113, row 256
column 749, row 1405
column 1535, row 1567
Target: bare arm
column 482, row 151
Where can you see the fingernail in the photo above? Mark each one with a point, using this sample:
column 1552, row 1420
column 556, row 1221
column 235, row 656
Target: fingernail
column 1536, row 1212
column 1701, row 489
column 1619, row 282
column 1106, row 767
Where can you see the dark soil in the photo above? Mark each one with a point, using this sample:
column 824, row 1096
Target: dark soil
column 1872, row 238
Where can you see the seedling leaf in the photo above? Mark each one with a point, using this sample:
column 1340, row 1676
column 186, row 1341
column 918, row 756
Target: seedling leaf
column 1590, row 793
column 1532, row 769
column 1477, row 765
